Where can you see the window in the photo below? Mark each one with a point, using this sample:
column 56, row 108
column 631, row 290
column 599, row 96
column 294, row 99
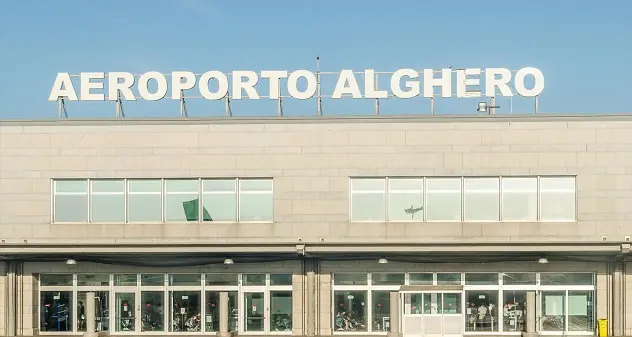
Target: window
column 255, row 200
column 144, row 202
column 181, row 200
column 368, row 199
column 405, row 199
column 162, row 200
column 557, row 198
column 463, row 199
column 481, row 199
column 443, row 199
column 71, row 201
column 219, row 197
column 481, row 310
column 107, row 199
column 520, row 199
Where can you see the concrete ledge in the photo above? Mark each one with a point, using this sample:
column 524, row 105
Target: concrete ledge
column 530, row 334
column 96, row 334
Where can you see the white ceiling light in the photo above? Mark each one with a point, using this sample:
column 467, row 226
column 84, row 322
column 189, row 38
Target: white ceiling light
column 71, row 262
column 382, row 261
column 228, row 261
column 543, row 260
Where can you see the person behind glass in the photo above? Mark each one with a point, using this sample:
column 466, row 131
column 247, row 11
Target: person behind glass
column 126, row 316
column 81, row 315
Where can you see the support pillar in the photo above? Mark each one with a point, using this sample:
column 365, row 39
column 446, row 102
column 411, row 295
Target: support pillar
column 90, row 319
column 311, row 299
column 393, row 330
column 617, row 300
column 223, row 315
column 11, row 316
column 530, row 323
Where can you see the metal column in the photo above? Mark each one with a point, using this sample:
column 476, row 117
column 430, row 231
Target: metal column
column 90, row 315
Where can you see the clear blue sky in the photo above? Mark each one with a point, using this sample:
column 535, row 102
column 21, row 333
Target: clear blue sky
column 583, row 47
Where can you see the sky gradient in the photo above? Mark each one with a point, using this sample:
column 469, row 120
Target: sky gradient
column 584, row 48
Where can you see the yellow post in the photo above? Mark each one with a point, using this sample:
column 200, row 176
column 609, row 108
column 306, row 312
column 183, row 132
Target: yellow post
column 603, row 327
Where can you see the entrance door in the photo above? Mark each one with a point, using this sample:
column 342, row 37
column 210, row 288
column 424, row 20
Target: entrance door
column 432, row 314
column 125, row 313
column 254, row 312
column 101, row 310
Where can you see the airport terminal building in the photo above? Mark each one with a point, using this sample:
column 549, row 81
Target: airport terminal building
column 311, row 223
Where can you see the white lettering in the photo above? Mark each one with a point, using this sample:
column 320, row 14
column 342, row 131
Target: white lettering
column 222, row 81
column 125, row 88
column 63, row 88
column 275, row 77
column 491, row 82
column 346, row 84
column 292, row 84
column 248, row 86
column 538, row 85
column 178, row 86
column 371, row 89
column 462, row 82
column 445, row 82
column 413, row 86
column 143, row 86
column 87, row 85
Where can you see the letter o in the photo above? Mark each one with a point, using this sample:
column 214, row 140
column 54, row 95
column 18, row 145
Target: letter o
column 143, row 82
column 292, row 84
column 222, row 80
column 538, row 78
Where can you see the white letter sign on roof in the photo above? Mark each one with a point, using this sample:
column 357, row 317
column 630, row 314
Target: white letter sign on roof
column 402, row 83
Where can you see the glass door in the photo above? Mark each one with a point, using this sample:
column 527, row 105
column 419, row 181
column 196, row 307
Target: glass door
column 254, row 311
column 101, row 310
column 125, row 311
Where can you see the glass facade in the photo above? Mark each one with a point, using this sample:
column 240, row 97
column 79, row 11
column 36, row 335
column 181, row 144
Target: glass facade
column 463, row 199
column 166, row 303
column 490, row 302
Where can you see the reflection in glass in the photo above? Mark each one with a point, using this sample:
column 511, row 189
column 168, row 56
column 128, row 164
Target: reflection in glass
column 368, row 206
column 255, row 206
column 152, row 280
column 350, row 313
column 222, row 279
column 280, row 311
column 553, row 310
column 185, row 280
column 144, row 200
column 93, row 280
column 388, row 278
column 185, row 311
column 381, row 311
column 280, row 279
column 101, row 307
column 125, row 312
column 254, row 312
column 519, row 278
column 557, row 198
column 481, row 278
column 443, row 199
column 451, row 303
column 152, row 311
column 567, row 279
column 71, row 207
column 254, row 279
column 448, row 278
column 481, row 310
column 212, row 311
column 405, row 199
column 418, row 279
column 580, row 311
column 181, row 207
column 481, row 199
column 433, row 304
column 519, row 199
column 514, row 306
column 56, row 280
column 125, row 280
column 56, row 311
column 350, row 279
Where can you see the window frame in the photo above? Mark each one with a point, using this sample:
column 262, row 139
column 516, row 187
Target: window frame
column 500, row 193
column 163, row 199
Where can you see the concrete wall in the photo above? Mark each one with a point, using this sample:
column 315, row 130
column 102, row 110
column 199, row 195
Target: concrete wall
column 311, row 162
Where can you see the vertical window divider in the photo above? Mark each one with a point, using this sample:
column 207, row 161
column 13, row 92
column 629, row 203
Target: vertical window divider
column 199, row 201
column 424, row 195
column 238, row 197
column 538, row 192
column 125, row 198
column 462, row 197
column 163, row 199
column 500, row 198
column 387, row 191
column 89, row 200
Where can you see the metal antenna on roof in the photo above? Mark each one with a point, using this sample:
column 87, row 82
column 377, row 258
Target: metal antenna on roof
column 119, row 106
column 183, row 105
column 319, row 107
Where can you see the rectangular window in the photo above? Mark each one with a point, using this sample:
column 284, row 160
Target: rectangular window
column 448, row 278
column 520, row 198
column 481, row 279
column 557, row 199
column 219, row 197
column 144, row 200
column 107, row 198
column 419, row 279
column 443, row 199
column 383, row 279
column 256, row 200
column 481, row 199
column 368, row 199
column 71, row 201
column 405, row 199
column 351, row 279
column 519, row 278
column 182, row 201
